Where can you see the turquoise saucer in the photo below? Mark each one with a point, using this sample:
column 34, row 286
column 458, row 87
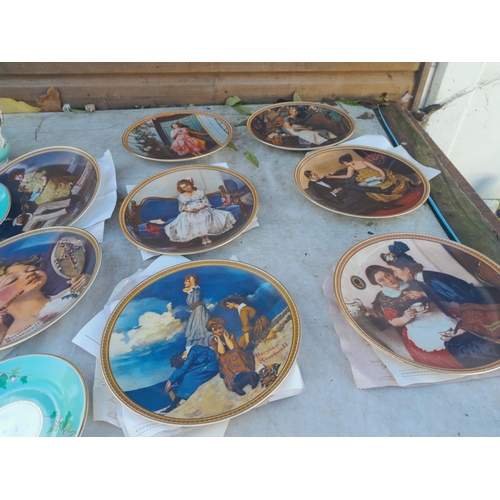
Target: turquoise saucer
column 4, row 202
column 41, row 395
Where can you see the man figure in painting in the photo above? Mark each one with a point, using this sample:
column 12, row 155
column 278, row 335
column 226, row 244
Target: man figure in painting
column 236, row 366
column 254, row 328
column 344, row 195
column 199, row 367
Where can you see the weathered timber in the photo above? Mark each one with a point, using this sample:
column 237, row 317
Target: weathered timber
column 465, row 212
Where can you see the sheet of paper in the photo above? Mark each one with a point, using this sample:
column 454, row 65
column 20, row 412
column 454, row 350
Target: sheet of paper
column 104, row 203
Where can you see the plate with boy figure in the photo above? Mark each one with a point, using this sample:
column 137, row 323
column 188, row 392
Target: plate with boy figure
column 200, row 342
column 177, row 136
column 300, row 126
column 361, row 181
column 428, row 302
column 188, row 210
column 48, row 187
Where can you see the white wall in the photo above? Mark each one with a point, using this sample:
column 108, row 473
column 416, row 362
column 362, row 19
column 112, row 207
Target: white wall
column 467, row 127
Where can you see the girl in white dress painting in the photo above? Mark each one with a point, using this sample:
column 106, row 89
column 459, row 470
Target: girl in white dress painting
column 197, row 219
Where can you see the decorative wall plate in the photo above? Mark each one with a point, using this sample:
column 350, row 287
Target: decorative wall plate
column 41, row 395
column 428, row 302
column 43, row 274
column 188, row 210
column 300, row 126
column 4, row 202
column 178, row 350
column 48, row 187
column 177, row 136
column 361, row 181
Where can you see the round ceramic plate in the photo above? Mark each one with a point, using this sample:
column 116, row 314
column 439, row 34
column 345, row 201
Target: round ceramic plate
column 43, row 274
column 41, row 395
column 361, row 181
column 426, row 301
column 188, row 210
column 177, row 136
column 300, row 126
column 4, row 202
column 177, row 349
column 48, row 187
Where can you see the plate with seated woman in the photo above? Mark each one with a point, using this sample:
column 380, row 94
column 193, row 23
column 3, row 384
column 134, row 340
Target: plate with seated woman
column 48, row 187
column 188, row 210
column 177, row 136
column 43, row 274
column 361, row 181
column 300, row 126
column 424, row 300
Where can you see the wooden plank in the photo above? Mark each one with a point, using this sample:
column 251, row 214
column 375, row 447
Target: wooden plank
column 87, row 68
column 466, row 213
column 126, row 90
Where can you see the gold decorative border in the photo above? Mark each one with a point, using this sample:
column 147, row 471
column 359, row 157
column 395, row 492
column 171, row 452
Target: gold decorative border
column 302, row 163
column 300, row 103
column 390, row 238
column 190, row 266
column 171, row 113
column 20, row 159
column 185, row 251
column 57, row 229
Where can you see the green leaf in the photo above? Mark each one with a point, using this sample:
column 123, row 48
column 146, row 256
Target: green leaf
column 243, row 111
column 51, row 429
column 3, row 381
column 230, row 145
column 65, row 422
column 16, row 370
column 296, row 96
column 233, row 101
column 24, row 380
column 53, row 414
column 252, row 158
column 348, row 102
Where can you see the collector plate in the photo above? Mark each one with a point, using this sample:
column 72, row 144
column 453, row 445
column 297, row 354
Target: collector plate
column 41, row 395
column 361, row 181
column 200, row 342
column 177, row 136
column 188, row 210
column 43, row 274
column 426, row 301
column 4, row 202
column 300, row 126
column 48, row 187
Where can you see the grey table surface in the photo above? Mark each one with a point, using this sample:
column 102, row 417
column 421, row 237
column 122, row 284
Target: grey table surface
column 297, row 242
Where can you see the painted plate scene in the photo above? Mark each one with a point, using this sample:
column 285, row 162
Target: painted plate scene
column 43, row 274
column 201, row 342
column 48, row 187
column 188, row 210
column 41, row 395
column 361, row 181
column 424, row 300
column 302, row 126
column 178, row 136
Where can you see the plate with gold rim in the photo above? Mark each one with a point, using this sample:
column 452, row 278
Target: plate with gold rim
column 48, row 187
column 188, row 210
column 177, row 136
column 300, row 126
column 41, row 395
column 424, row 300
column 43, row 274
column 200, row 342
column 361, row 181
